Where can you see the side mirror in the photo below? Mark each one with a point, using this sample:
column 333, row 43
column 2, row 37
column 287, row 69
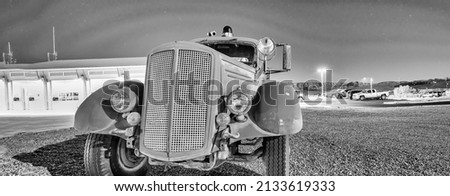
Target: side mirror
column 267, row 48
column 287, row 57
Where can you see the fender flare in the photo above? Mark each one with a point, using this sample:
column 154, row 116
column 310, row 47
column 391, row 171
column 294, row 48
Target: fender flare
column 96, row 115
column 276, row 108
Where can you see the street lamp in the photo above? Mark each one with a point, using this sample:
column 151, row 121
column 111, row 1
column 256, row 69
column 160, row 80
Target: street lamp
column 446, row 83
column 371, row 81
column 321, row 71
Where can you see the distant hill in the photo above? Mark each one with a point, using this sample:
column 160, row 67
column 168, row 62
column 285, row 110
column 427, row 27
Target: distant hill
column 417, row 84
column 437, row 83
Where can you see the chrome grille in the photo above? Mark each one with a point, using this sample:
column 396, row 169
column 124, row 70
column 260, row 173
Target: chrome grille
column 189, row 112
column 157, row 116
column 184, row 119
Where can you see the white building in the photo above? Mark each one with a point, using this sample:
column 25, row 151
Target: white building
column 60, row 85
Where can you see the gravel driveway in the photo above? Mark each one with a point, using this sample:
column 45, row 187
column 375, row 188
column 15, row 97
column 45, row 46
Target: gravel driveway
column 60, row 152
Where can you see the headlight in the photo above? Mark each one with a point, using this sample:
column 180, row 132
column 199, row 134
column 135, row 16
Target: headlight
column 223, row 119
column 123, row 100
column 266, row 47
column 238, row 102
column 133, row 118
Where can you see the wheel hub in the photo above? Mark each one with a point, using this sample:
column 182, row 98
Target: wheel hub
column 126, row 155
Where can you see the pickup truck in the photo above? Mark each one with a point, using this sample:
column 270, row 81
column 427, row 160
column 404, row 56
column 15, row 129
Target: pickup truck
column 370, row 94
column 432, row 94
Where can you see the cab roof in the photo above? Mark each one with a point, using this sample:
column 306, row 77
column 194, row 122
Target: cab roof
column 219, row 39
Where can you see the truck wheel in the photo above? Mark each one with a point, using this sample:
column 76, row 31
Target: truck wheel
column 106, row 155
column 276, row 155
column 362, row 98
column 383, row 97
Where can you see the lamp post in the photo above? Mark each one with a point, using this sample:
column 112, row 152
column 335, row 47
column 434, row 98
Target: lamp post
column 371, row 81
column 446, row 83
column 321, row 71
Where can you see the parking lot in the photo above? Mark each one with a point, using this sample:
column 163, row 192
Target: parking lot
column 341, row 103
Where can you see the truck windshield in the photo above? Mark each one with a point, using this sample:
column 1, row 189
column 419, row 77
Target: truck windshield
column 240, row 52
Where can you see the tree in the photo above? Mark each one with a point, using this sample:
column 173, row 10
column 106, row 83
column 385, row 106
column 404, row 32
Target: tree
column 404, row 91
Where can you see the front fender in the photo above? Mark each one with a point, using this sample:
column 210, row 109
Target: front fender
column 277, row 109
column 95, row 113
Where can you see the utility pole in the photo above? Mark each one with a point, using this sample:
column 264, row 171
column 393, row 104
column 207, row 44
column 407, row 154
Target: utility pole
column 371, row 81
column 321, row 71
column 8, row 58
column 321, row 81
column 446, row 83
column 53, row 56
column 9, row 49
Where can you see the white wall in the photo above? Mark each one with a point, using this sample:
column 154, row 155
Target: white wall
column 2, row 96
column 66, row 86
column 36, row 89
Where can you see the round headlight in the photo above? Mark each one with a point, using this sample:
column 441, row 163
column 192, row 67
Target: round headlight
column 266, row 47
column 238, row 102
column 123, row 100
column 134, row 118
column 223, row 119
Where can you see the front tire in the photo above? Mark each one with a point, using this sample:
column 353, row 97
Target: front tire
column 106, row 155
column 276, row 155
column 362, row 98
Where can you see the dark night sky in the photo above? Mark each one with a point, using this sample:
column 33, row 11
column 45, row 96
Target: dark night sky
column 386, row 40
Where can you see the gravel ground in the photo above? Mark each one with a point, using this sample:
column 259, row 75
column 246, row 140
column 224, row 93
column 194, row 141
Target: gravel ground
column 394, row 141
column 60, row 152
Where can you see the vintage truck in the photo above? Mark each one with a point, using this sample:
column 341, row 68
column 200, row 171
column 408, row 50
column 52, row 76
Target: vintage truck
column 202, row 102
column 370, row 94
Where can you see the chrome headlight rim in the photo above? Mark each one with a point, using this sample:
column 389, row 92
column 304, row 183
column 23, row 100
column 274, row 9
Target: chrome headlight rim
column 266, row 48
column 123, row 100
column 231, row 102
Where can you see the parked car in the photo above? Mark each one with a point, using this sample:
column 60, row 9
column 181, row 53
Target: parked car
column 370, row 94
column 350, row 93
column 134, row 126
column 432, row 94
column 300, row 97
column 337, row 93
